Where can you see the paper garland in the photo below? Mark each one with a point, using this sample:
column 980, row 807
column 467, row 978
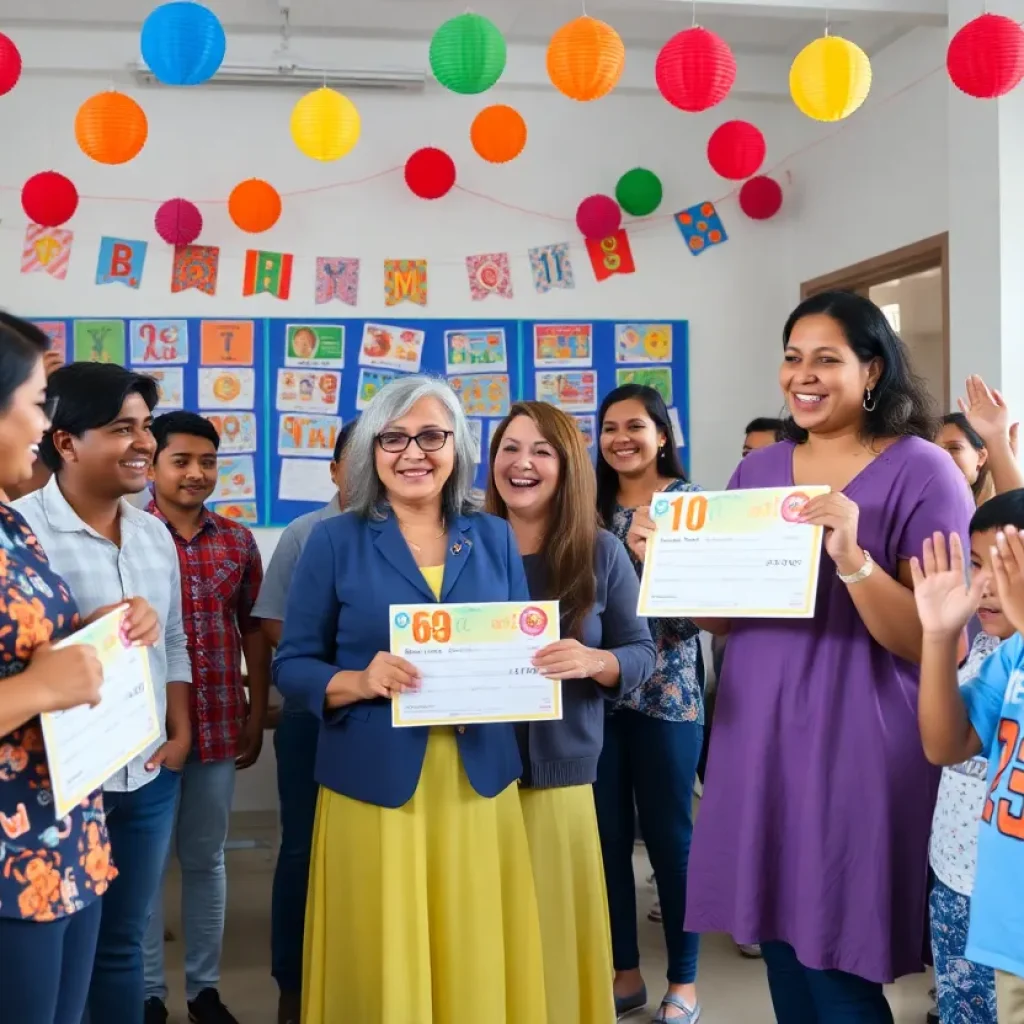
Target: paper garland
column 489, row 274
column 121, row 261
column 337, row 278
column 551, row 267
column 405, row 281
column 269, row 272
column 46, row 250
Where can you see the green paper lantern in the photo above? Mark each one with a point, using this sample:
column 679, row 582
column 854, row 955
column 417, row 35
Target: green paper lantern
column 467, row 54
column 639, row 192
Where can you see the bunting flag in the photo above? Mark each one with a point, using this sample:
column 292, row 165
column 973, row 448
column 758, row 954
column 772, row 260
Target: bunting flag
column 269, row 272
column 195, row 266
column 551, row 267
column 405, row 281
column 611, row 255
column 46, row 250
column 489, row 274
column 337, row 279
column 701, row 227
column 121, row 261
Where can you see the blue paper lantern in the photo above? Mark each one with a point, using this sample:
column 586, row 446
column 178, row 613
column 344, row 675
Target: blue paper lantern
column 183, row 43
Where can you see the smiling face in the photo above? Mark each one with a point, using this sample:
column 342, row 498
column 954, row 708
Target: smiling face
column 630, row 439
column 968, row 458
column 22, row 426
column 990, row 612
column 526, row 469
column 304, row 343
column 415, row 476
column 185, row 472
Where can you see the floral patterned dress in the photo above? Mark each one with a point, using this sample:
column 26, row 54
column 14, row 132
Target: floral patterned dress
column 48, row 868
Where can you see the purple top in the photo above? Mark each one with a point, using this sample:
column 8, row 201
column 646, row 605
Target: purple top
column 814, row 824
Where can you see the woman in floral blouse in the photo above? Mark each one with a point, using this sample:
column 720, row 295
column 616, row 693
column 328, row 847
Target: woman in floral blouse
column 653, row 736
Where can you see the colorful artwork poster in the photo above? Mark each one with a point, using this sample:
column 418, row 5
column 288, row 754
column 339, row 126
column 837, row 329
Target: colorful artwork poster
column 100, row 341
column 236, row 479
column 314, row 391
column 395, row 348
column 315, row 345
column 227, row 342
column 660, row 379
column 237, row 431
column 479, row 350
column 299, row 434
column 563, row 344
column 643, row 343
column 243, row 512
column 57, row 332
column 573, row 390
column 587, row 424
column 170, row 382
column 227, row 388
column 482, row 395
column 370, row 382
column 158, row 342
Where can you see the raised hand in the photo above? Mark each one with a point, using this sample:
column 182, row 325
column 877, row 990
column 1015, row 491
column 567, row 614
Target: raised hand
column 986, row 411
column 1008, row 570
column 945, row 603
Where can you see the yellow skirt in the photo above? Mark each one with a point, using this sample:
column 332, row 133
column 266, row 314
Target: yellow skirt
column 423, row 914
column 561, row 826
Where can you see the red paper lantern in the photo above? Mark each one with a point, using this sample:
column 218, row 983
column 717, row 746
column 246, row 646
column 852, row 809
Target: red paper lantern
column 695, row 69
column 985, row 58
column 430, row 173
column 736, row 150
column 49, row 199
column 178, row 222
column 598, row 217
column 761, row 198
column 10, row 64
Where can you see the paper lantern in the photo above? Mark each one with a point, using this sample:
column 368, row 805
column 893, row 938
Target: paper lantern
column 325, row 125
column 183, row 43
column 498, row 134
column 639, row 192
column 585, row 59
column 178, row 222
column 467, row 54
column 830, row 78
column 761, row 198
column 10, row 64
column 598, row 217
column 49, row 199
column 111, row 128
column 430, row 173
column 736, row 150
column 985, row 58
column 695, row 69
column 254, row 206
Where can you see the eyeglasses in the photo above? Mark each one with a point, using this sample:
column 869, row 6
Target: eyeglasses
column 394, row 441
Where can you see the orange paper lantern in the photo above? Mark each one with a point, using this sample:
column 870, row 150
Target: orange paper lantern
column 111, row 128
column 254, row 206
column 498, row 134
column 585, row 59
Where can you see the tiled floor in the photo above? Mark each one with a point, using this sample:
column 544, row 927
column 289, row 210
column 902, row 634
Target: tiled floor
column 732, row 990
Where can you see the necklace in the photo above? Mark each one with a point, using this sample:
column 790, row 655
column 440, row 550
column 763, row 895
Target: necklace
column 412, row 543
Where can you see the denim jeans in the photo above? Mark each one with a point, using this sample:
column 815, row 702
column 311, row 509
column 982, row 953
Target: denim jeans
column 201, row 830
column 295, row 746
column 140, row 825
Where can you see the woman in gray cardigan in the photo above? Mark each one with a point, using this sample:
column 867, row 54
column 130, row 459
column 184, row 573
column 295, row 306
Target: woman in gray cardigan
column 542, row 482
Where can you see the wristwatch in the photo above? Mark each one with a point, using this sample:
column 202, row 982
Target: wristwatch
column 862, row 573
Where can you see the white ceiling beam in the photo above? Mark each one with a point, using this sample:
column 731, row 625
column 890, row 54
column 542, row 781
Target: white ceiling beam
column 922, row 12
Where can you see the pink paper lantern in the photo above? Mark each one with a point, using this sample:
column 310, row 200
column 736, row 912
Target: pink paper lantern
column 598, row 217
column 178, row 222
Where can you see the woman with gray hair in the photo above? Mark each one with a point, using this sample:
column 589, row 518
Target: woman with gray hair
column 421, row 902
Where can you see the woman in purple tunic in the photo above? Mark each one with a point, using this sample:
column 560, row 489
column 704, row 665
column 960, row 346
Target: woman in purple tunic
column 812, row 837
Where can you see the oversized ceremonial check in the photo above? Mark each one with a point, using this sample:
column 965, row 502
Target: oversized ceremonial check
column 84, row 745
column 475, row 663
column 737, row 554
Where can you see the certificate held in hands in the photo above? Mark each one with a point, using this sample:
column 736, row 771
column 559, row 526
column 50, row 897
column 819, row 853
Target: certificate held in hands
column 475, row 663
column 731, row 554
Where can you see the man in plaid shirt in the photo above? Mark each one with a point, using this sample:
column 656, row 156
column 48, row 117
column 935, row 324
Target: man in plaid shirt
column 221, row 573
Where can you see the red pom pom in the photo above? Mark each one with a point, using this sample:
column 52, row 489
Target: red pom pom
column 736, row 150
column 598, row 217
column 430, row 173
column 985, row 58
column 695, row 69
column 761, row 198
column 178, row 222
column 49, row 199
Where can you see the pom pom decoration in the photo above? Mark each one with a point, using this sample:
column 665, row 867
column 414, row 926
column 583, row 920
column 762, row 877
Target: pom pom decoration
column 183, row 43
column 111, row 128
column 639, row 192
column 695, row 70
column 254, row 206
column 761, row 197
column 830, row 78
column 325, row 125
column 498, row 134
column 598, row 217
column 10, row 64
column 736, row 150
column 985, row 58
column 585, row 59
column 49, row 199
column 430, row 173
column 467, row 54
column 178, row 222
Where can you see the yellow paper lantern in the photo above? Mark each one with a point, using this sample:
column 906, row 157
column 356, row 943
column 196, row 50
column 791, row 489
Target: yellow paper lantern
column 325, row 125
column 585, row 59
column 830, row 78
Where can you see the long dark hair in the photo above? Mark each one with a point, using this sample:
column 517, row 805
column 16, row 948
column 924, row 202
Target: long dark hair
column 900, row 400
column 668, row 463
column 974, row 439
column 22, row 345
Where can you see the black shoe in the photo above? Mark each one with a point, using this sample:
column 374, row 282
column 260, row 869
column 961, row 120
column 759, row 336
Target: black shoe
column 207, row 1008
column 154, row 1011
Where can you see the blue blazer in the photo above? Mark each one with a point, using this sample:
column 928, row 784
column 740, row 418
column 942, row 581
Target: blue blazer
column 337, row 618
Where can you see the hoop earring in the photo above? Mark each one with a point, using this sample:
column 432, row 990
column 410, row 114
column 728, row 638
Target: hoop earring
column 869, row 403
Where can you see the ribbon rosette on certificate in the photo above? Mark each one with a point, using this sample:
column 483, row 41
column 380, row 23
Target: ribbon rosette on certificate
column 475, row 663
column 733, row 554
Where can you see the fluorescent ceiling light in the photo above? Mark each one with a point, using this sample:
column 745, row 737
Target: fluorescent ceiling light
column 293, row 75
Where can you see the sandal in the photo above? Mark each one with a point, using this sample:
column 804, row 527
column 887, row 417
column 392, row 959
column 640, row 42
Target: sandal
column 625, row 1005
column 690, row 1014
